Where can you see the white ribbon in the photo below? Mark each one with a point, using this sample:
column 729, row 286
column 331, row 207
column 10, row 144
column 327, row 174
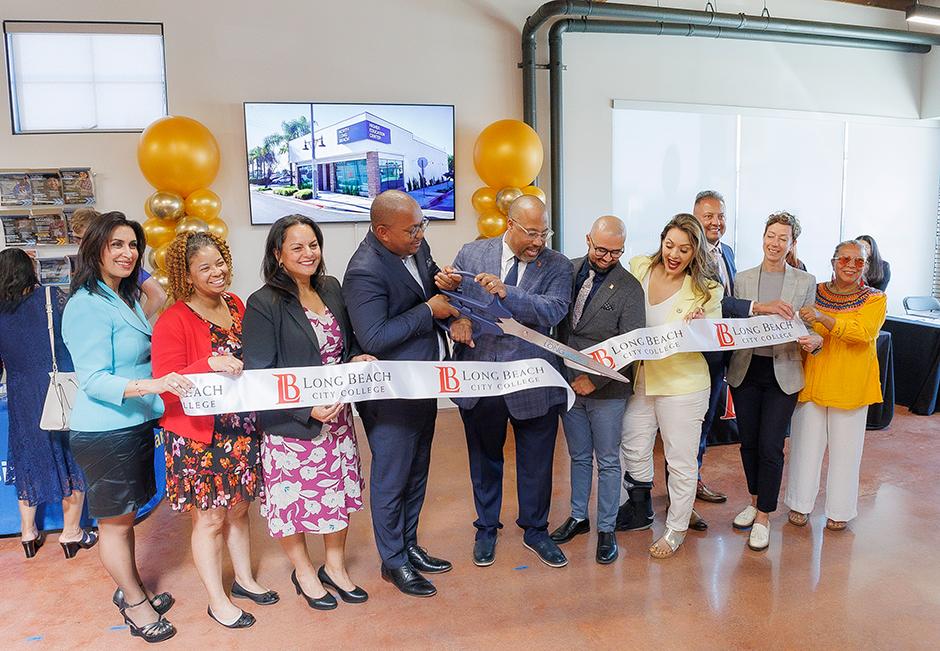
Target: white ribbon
column 287, row 388
column 698, row 335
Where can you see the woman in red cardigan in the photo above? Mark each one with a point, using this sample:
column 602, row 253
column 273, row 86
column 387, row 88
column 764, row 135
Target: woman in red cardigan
column 213, row 464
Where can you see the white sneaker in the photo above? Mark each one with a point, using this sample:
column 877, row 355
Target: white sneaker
column 759, row 538
column 745, row 518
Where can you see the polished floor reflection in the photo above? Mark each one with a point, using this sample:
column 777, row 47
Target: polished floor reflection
column 874, row 585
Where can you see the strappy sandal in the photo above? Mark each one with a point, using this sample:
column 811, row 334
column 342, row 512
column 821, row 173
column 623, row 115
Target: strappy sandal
column 667, row 545
column 153, row 632
column 161, row 602
column 835, row 525
column 798, row 519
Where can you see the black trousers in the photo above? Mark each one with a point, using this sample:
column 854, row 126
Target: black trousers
column 400, row 434
column 485, row 427
column 764, row 413
column 717, row 366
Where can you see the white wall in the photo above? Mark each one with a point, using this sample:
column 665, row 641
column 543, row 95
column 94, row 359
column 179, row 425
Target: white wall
column 220, row 53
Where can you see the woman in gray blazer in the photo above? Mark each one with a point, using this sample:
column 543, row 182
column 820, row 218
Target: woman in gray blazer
column 765, row 381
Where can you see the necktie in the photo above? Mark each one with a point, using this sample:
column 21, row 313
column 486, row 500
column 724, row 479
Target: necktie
column 581, row 299
column 513, row 276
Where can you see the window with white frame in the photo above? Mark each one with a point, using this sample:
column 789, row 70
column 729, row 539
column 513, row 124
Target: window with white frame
column 84, row 77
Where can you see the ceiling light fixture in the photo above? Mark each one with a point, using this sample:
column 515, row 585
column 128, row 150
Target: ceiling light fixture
column 923, row 14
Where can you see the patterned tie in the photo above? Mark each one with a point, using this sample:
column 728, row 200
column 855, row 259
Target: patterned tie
column 719, row 263
column 581, row 299
column 513, row 276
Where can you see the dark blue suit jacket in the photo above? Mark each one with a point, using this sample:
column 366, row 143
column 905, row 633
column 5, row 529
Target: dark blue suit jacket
column 731, row 307
column 386, row 306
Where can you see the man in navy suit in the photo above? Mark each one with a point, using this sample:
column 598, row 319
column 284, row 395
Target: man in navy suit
column 534, row 282
column 709, row 209
column 394, row 306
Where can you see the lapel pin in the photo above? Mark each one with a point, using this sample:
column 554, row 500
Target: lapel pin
column 611, row 286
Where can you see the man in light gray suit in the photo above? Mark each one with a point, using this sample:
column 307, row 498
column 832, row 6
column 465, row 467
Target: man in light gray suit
column 606, row 301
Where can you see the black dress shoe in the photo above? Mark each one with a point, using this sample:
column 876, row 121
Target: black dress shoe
column 424, row 562
column 547, row 551
column 326, row 602
column 484, row 552
column 355, row 596
column 697, row 522
column 407, row 579
column 606, row 547
column 260, row 598
column 244, row 620
column 569, row 529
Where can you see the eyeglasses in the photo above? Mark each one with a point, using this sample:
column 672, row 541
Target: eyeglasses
column 419, row 228
column 603, row 253
column 845, row 261
column 545, row 235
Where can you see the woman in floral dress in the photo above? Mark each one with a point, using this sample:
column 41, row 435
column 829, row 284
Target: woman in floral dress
column 213, row 462
column 312, row 476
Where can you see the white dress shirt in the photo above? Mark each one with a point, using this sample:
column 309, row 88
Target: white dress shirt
column 412, row 266
column 507, row 261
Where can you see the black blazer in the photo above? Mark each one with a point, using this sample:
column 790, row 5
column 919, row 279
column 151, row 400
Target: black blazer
column 277, row 334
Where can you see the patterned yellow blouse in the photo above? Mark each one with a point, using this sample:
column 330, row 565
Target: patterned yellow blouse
column 845, row 373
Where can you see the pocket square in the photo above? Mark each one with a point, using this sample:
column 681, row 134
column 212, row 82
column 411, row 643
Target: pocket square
column 607, row 306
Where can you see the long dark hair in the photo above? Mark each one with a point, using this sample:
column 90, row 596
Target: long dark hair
column 876, row 270
column 96, row 239
column 17, row 278
column 273, row 272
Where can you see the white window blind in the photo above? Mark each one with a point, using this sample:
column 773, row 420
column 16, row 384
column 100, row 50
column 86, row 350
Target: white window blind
column 66, row 77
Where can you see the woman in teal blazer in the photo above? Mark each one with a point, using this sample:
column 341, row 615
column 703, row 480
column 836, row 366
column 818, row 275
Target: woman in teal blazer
column 117, row 406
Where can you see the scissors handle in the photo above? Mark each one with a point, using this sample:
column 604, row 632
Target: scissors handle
column 485, row 314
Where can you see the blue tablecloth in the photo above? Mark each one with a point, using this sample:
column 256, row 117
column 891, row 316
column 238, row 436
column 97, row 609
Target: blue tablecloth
column 49, row 516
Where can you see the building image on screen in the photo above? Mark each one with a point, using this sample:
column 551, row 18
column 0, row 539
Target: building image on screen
column 329, row 161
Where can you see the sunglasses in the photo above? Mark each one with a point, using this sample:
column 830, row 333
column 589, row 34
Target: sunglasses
column 845, row 261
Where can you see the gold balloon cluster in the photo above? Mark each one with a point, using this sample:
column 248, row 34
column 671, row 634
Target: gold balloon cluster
column 180, row 158
column 508, row 156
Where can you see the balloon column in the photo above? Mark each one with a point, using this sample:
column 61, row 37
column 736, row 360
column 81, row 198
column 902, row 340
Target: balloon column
column 507, row 156
column 180, row 158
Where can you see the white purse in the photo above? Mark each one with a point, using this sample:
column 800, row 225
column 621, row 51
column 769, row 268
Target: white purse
column 60, row 396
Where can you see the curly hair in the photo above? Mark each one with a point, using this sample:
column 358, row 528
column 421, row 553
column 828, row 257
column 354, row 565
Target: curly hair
column 699, row 268
column 180, row 252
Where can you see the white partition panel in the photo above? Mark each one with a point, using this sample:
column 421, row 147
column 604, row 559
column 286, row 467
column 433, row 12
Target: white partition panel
column 792, row 164
column 661, row 159
column 891, row 171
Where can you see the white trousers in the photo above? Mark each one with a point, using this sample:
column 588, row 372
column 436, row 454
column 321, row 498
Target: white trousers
column 813, row 428
column 679, row 420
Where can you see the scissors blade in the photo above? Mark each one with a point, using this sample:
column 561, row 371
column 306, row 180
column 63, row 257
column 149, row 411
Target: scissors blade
column 513, row 327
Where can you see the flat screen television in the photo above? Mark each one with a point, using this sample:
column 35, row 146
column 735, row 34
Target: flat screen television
column 329, row 161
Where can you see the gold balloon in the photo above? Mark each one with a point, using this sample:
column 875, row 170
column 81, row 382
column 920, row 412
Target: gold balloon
column 218, row 227
column 534, row 191
column 484, row 200
column 159, row 231
column 147, row 210
column 159, row 256
column 508, row 153
column 166, row 205
column 491, row 224
column 160, row 276
column 191, row 225
column 178, row 154
column 204, row 204
column 505, row 197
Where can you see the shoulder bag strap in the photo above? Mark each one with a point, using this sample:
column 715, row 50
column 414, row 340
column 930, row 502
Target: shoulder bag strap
column 55, row 366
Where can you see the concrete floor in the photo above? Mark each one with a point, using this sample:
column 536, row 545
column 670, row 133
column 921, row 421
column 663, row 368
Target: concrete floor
column 875, row 585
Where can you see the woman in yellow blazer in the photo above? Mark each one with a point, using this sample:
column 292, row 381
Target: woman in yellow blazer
column 670, row 394
column 840, row 384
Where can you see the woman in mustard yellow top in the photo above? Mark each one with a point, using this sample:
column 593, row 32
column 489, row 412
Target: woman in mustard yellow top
column 670, row 394
column 841, row 381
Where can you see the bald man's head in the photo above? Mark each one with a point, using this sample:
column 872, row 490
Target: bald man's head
column 397, row 222
column 528, row 227
column 606, row 242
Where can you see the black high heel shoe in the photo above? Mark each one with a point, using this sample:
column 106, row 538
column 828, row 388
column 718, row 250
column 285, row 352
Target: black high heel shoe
column 153, row 632
column 161, row 602
column 355, row 596
column 30, row 547
column 326, row 602
column 89, row 540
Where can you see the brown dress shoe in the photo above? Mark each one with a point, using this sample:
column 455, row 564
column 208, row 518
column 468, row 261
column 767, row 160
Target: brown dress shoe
column 706, row 494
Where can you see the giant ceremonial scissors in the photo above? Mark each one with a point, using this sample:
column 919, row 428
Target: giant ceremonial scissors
column 494, row 318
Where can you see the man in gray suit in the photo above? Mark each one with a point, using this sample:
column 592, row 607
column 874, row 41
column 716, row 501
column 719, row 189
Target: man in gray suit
column 534, row 282
column 606, row 301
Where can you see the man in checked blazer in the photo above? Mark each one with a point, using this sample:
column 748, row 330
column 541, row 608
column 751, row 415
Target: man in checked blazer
column 606, row 301
column 534, row 282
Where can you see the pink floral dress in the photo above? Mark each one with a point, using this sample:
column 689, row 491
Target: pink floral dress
column 313, row 486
